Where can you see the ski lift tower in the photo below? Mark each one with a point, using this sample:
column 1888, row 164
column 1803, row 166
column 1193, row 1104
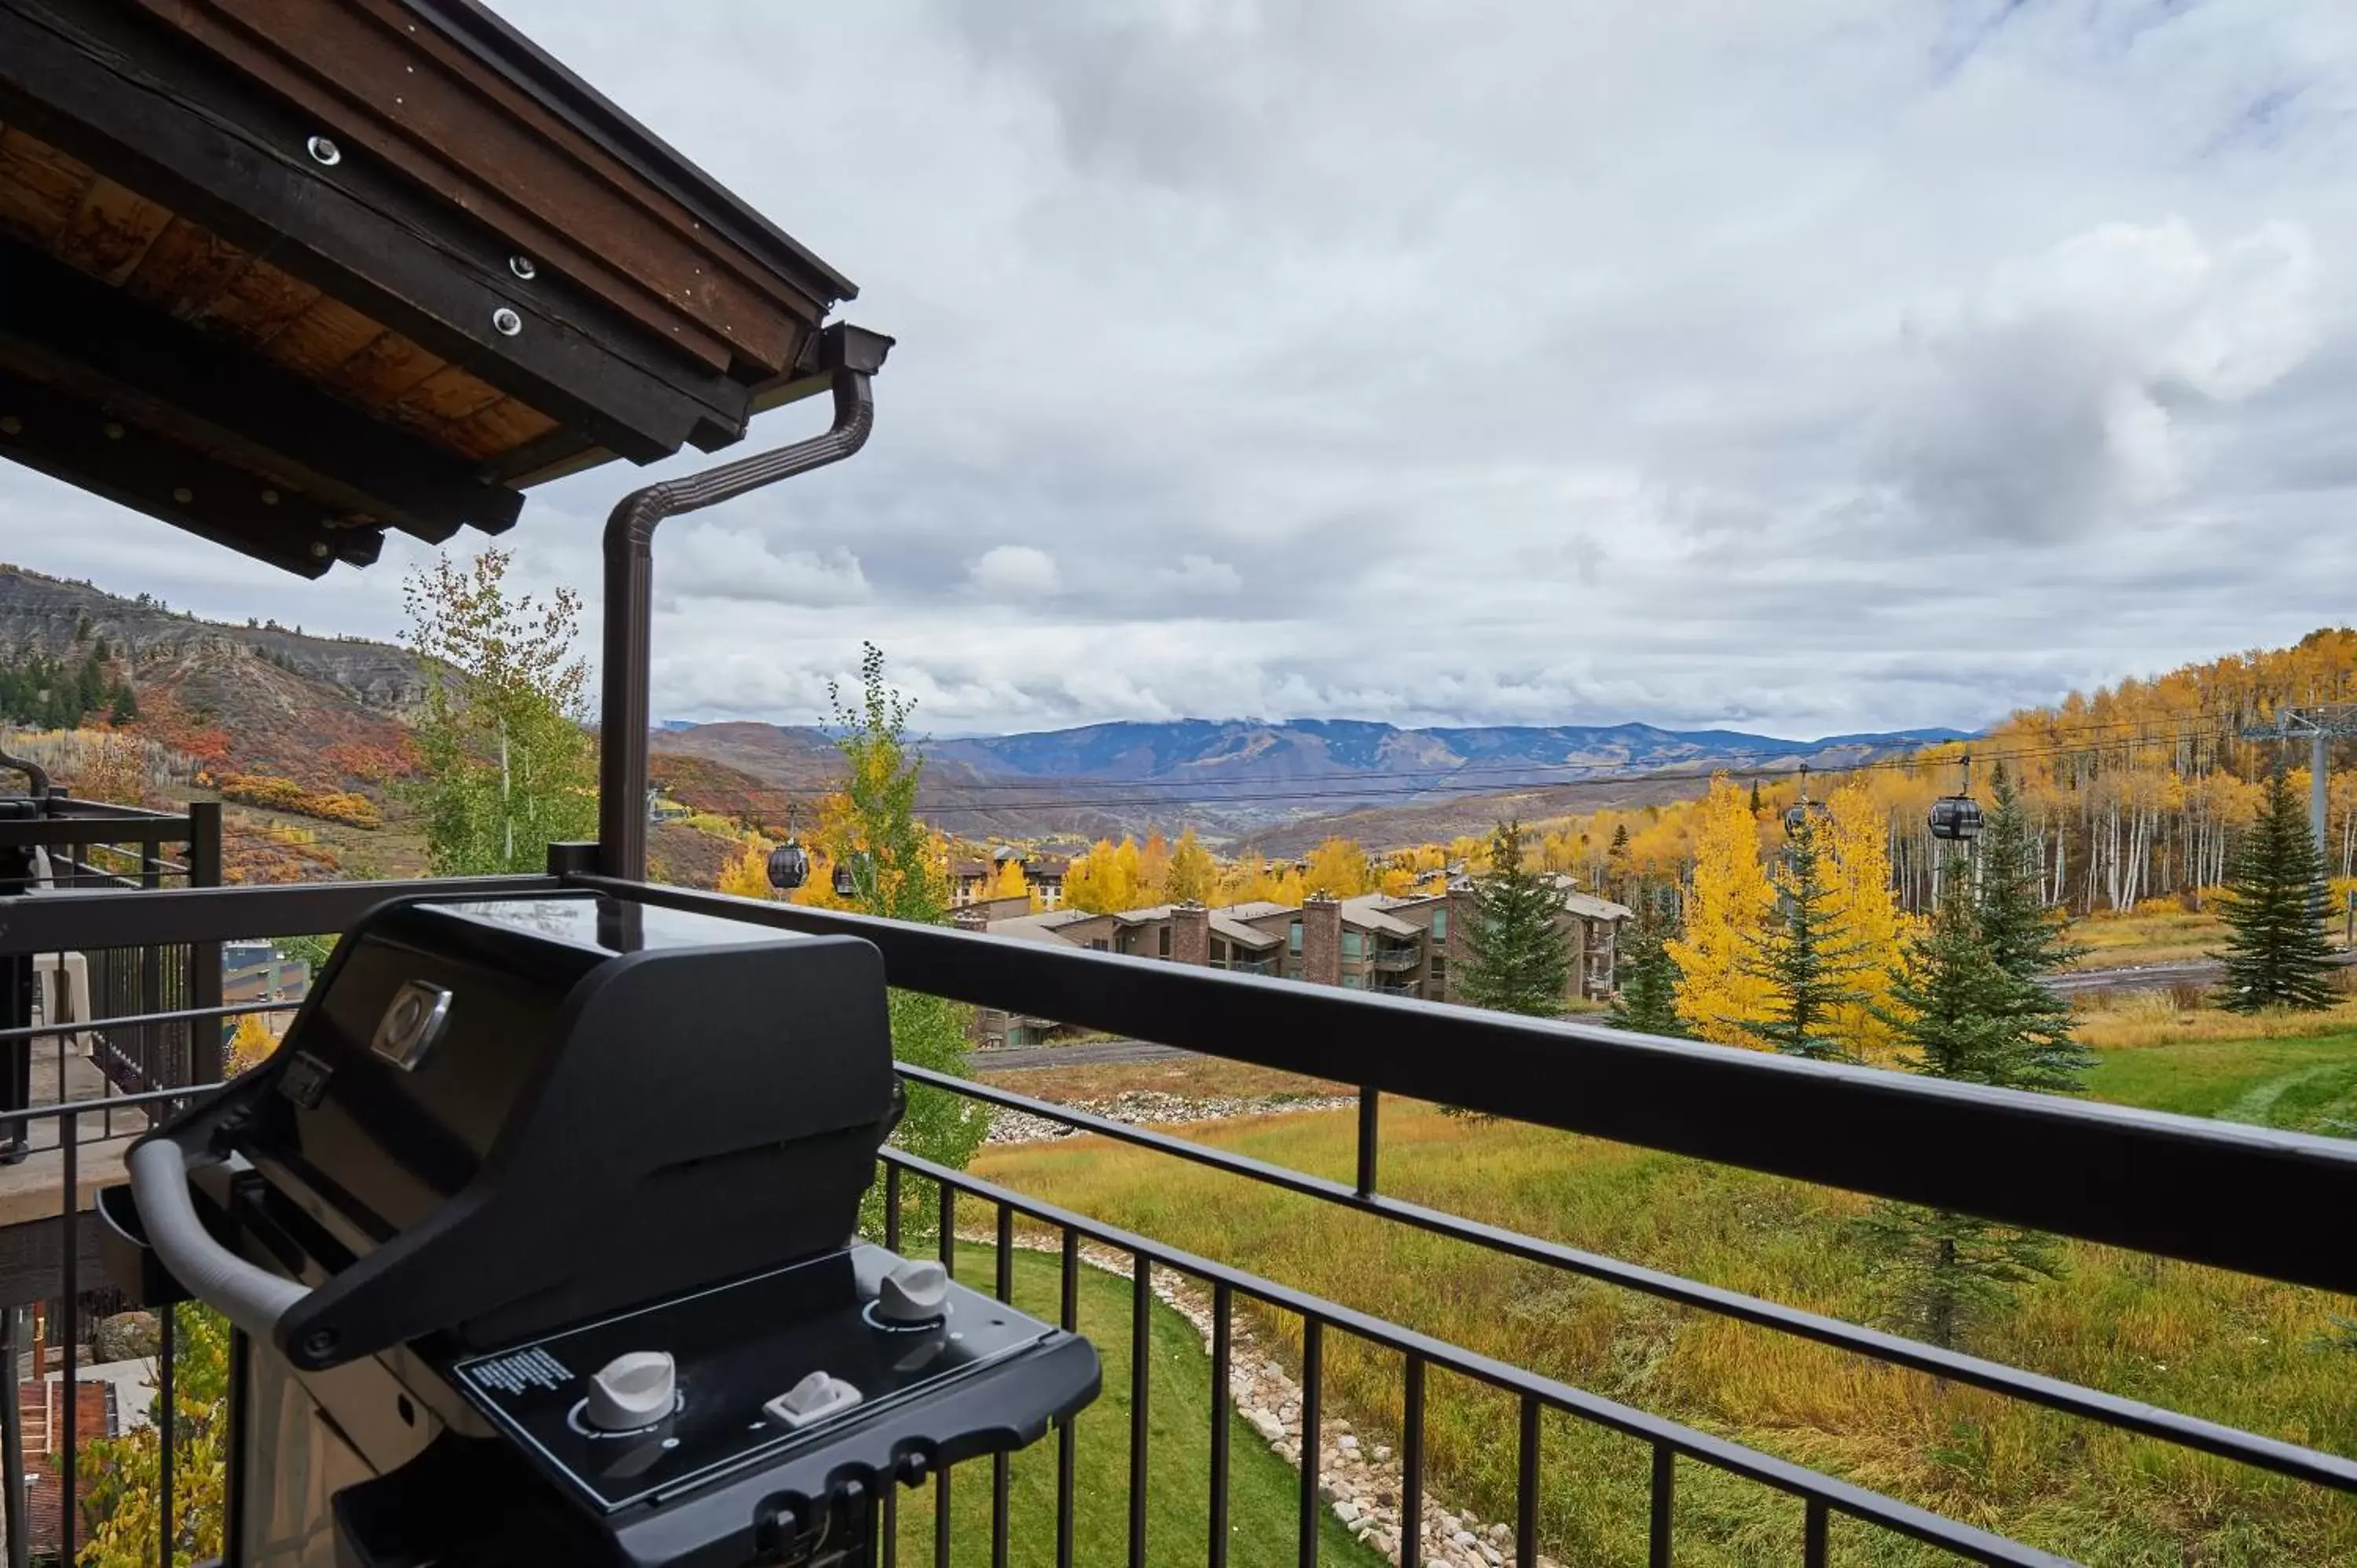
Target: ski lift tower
column 2319, row 727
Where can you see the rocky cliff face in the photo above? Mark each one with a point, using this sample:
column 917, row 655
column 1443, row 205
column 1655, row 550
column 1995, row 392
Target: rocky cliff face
column 51, row 614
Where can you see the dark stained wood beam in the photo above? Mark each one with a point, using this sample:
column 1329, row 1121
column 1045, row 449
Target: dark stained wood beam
column 76, row 333
column 88, row 446
column 141, row 106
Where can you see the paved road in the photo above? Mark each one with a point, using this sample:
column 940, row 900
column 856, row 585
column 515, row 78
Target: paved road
column 2153, row 976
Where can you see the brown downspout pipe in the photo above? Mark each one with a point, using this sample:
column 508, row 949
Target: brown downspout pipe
column 850, row 356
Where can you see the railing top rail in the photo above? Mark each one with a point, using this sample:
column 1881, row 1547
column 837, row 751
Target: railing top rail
column 2232, row 1196
column 84, row 918
column 2229, row 1196
column 45, row 831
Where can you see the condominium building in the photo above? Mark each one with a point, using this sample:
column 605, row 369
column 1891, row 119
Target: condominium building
column 1400, row 946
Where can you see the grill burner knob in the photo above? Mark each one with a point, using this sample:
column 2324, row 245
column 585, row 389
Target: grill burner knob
column 633, row 1390
column 913, row 1293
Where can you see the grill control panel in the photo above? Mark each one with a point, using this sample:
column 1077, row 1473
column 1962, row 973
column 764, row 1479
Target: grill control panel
column 758, row 1367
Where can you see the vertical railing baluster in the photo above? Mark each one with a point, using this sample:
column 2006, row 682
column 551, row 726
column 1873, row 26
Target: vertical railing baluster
column 1141, row 1362
column 205, row 958
column 891, row 1207
column 1313, row 1366
column 1370, row 1130
column 166, row 1347
column 12, row 1440
column 1068, row 1314
column 1816, row 1534
column 155, row 1039
column 1412, row 1465
column 241, row 1373
column 1005, row 1284
column 942, row 1476
column 70, row 1280
column 1665, row 1482
column 1223, row 1306
column 1526, row 1488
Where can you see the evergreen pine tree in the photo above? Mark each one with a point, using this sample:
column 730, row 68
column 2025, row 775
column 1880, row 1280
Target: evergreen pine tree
column 2028, row 941
column 1755, row 797
column 1807, row 970
column 1518, row 961
column 1648, row 997
column 2278, row 954
column 89, row 685
column 1970, row 1020
column 123, row 708
column 1616, row 861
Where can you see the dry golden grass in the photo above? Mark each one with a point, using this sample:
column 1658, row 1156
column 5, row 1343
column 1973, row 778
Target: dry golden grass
column 2138, row 1020
column 2147, row 935
column 2236, row 1349
column 1197, row 1078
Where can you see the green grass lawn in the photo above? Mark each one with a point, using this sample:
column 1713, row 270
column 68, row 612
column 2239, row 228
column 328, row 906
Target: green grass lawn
column 1264, row 1491
column 2307, row 1085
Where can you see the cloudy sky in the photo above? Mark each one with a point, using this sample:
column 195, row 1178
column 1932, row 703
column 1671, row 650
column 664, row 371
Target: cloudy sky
column 1814, row 366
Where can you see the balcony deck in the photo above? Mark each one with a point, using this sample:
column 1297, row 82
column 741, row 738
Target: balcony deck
column 33, row 1189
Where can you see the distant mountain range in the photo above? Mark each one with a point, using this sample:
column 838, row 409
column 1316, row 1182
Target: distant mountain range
column 1216, row 752
column 1282, row 783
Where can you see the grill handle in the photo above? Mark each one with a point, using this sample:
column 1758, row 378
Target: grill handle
column 252, row 1298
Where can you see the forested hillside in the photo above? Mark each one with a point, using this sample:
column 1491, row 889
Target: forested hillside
column 2139, row 790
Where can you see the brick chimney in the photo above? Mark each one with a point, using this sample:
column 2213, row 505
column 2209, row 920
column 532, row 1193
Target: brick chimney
column 971, row 919
column 1321, row 939
column 1190, row 933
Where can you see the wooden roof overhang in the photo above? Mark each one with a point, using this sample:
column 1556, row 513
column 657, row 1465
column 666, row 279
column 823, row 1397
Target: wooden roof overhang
column 288, row 272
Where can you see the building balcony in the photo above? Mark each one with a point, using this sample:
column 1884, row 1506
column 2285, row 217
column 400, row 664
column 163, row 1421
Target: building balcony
column 2167, row 1186
column 1397, row 961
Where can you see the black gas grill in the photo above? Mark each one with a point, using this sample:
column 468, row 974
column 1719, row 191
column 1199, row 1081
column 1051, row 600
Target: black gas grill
column 540, row 1221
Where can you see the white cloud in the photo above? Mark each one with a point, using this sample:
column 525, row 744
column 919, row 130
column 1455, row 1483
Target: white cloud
column 711, row 561
column 1014, row 572
column 1199, row 574
column 2053, row 399
column 1821, row 365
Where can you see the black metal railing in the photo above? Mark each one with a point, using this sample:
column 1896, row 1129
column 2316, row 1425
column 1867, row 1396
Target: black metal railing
column 2232, row 1196
column 130, row 1006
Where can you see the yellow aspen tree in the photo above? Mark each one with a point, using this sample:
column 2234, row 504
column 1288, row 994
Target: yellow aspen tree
column 746, row 876
column 1240, row 879
column 250, row 1044
column 1011, row 882
column 1127, row 884
column 1338, row 866
column 1106, row 879
column 1866, row 920
column 1153, row 871
column 1730, row 903
column 1193, row 872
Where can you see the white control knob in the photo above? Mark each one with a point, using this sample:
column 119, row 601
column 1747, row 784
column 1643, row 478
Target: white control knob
column 913, row 1293
column 813, row 1399
column 633, row 1390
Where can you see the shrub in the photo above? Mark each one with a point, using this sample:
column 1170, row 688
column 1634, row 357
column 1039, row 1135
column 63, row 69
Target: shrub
column 285, row 795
